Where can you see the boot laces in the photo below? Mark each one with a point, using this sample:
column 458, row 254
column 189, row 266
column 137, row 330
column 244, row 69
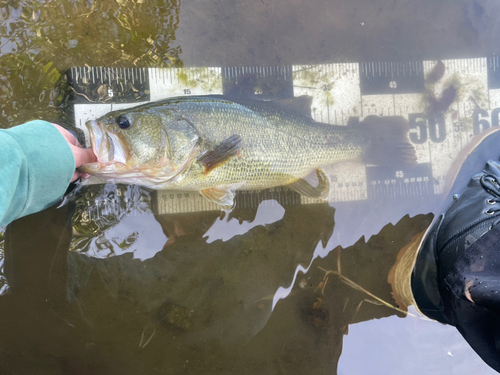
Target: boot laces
column 491, row 185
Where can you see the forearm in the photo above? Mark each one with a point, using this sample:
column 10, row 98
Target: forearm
column 36, row 167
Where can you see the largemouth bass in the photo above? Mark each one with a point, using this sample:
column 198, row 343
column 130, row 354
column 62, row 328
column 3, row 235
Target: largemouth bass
column 216, row 145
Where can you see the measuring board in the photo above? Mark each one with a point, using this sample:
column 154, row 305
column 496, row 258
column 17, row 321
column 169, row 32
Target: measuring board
column 342, row 93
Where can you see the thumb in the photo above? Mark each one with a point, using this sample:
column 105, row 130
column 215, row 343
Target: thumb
column 83, row 155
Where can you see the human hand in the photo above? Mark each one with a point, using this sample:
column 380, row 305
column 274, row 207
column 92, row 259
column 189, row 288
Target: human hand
column 82, row 155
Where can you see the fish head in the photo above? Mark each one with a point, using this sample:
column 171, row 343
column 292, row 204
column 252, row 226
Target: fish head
column 136, row 144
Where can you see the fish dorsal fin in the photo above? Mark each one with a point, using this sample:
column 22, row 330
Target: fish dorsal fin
column 221, row 196
column 219, row 153
column 305, row 188
column 301, row 104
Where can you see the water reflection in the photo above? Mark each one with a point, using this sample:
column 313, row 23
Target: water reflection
column 154, row 291
column 202, row 301
column 40, row 40
column 100, row 209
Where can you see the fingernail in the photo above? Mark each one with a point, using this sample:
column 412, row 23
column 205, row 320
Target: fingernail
column 72, row 133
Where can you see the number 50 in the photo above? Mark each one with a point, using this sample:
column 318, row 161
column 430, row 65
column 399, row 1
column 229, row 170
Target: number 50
column 432, row 127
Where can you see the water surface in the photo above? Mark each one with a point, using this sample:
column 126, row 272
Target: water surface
column 110, row 284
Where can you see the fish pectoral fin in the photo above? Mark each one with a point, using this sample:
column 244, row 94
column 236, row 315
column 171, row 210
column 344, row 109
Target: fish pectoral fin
column 220, row 196
column 219, row 153
column 305, row 188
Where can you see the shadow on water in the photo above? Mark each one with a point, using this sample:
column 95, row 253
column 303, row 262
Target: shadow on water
column 106, row 284
column 189, row 305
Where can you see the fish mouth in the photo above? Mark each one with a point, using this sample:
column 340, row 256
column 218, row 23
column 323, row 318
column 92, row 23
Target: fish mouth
column 107, row 147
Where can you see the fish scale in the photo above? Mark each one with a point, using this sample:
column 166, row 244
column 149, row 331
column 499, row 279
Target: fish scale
column 278, row 146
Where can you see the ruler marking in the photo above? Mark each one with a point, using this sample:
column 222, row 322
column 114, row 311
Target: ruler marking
column 489, row 100
column 328, row 111
column 334, row 73
column 361, row 102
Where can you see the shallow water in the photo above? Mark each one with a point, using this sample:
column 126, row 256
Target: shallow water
column 114, row 283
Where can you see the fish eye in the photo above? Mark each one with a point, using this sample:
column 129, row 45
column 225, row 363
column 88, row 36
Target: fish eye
column 123, row 122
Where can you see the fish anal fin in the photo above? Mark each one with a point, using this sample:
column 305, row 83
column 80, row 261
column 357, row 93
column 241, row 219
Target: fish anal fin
column 219, row 153
column 221, row 196
column 389, row 144
column 306, row 189
column 301, row 104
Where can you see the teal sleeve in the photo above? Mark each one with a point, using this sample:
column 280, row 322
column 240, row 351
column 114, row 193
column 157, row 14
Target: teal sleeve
column 36, row 167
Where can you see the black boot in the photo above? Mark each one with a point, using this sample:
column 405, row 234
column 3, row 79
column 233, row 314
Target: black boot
column 456, row 278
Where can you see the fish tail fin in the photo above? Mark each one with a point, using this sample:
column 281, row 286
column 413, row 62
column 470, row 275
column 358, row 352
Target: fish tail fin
column 388, row 142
